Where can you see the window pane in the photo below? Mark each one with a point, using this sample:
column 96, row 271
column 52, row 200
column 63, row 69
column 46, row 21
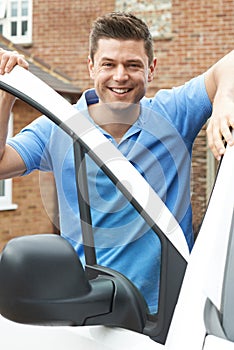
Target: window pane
column 24, row 27
column 13, row 28
column 123, row 240
column 24, row 9
column 14, row 9
column 2, row 187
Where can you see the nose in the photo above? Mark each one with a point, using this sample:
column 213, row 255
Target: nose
column 120, row 73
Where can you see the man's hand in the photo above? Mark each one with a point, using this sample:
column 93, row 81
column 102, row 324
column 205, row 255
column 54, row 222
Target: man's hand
column 221, row 124
column 220, row 88
column 9, row 59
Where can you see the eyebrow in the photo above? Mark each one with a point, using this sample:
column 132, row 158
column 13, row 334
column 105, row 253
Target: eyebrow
column 107, row 59
column 132, row 60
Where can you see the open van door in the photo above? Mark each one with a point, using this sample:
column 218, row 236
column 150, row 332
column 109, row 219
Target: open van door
column 203, row 317
column 93, row 294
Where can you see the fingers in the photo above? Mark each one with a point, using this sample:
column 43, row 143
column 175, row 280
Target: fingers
column 219, row 133
column 215, row 141
column 9, row 59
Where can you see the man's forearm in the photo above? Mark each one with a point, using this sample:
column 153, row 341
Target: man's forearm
column 220, row 88
column 220, row 77
column 6, row 104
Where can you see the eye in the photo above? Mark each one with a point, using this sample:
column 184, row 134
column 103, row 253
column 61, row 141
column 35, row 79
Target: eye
column 107, row 64
column 134, row 65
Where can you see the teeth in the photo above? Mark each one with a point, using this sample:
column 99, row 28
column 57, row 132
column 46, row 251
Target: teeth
column 120, row 91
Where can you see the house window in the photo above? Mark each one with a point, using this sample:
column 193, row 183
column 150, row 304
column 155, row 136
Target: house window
column 6, row 185
column 16, row 20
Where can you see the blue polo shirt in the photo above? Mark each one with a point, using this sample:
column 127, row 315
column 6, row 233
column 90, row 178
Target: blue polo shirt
column 159, row 145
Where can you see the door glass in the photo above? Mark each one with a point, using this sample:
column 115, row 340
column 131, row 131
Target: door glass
column 123, row 240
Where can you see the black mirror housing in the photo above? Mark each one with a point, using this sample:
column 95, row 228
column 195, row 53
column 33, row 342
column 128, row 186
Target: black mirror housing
column 30, row 266
column 42, row 281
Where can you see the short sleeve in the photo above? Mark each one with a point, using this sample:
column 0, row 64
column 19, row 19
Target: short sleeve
column 31, row 144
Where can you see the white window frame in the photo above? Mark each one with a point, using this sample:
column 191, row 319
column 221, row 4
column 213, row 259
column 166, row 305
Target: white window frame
column 6, row 20
column 6, row 199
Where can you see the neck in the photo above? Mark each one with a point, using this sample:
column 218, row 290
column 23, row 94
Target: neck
column 115, row 119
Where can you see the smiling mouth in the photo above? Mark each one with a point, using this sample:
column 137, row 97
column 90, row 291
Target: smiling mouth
column 120, row 91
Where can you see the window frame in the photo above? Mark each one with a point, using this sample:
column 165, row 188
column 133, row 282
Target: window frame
column 6, row 21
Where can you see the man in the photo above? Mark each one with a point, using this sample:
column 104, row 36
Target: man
column 155, row 134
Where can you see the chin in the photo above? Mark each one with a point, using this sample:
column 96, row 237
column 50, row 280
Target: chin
column 120, row 105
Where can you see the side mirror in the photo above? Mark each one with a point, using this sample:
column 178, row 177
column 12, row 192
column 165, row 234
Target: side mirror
column 42, row 281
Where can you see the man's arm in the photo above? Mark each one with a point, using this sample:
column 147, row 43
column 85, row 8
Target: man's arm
column 11, row 164
column 219, row 80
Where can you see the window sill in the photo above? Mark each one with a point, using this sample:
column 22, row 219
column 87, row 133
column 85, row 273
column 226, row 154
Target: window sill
column 8, row 207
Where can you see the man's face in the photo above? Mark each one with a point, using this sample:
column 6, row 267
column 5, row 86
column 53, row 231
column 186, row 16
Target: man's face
column 120, row 71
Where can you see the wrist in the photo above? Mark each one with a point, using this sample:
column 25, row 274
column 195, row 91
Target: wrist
column 6, row 100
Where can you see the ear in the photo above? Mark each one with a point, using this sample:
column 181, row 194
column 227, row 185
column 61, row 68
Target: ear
column 91, row 67
column 151, row 70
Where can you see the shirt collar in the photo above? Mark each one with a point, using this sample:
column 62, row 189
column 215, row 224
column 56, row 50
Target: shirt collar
column 90, row 97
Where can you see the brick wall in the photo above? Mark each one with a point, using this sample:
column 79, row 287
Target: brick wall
column 201, row 33
column 61, row 33
column 31, row 216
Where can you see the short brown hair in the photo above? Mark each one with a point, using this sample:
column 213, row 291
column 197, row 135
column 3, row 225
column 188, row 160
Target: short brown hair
column 120, row 25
